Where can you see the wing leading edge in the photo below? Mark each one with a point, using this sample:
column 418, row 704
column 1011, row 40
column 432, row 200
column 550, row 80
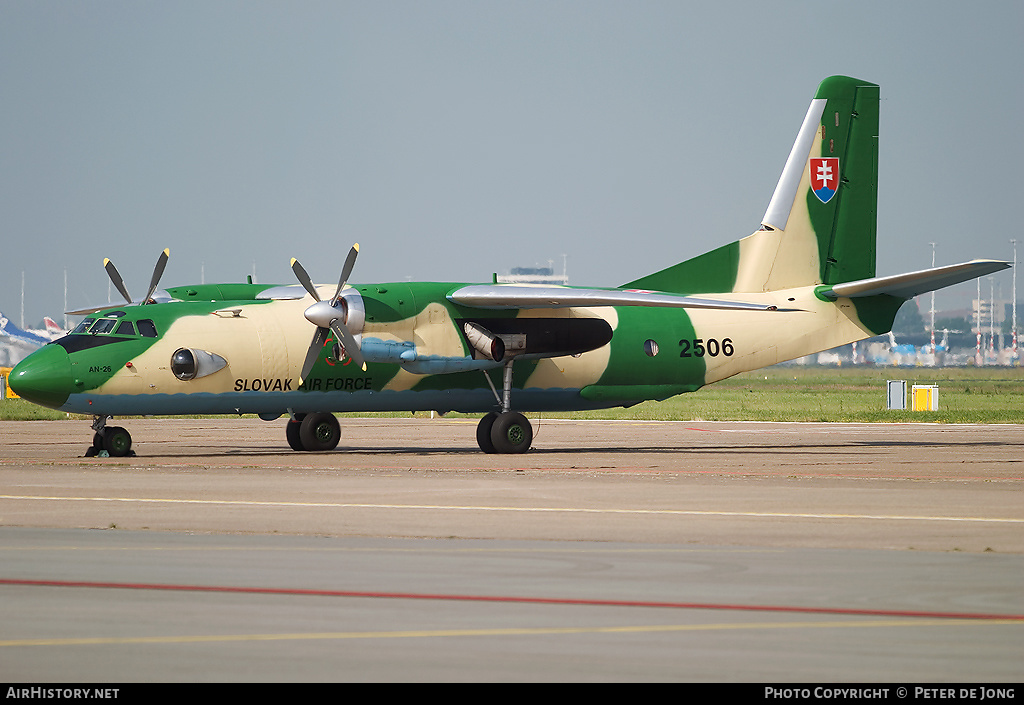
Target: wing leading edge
column 512, row 296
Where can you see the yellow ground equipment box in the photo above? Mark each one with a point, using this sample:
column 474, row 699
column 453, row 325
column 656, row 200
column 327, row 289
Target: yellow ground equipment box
column 5, row 389
column 926, row 397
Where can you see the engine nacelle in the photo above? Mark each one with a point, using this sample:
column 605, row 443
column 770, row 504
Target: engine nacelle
column 485, row 342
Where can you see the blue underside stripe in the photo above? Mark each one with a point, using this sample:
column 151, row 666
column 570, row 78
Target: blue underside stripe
column 468, row 401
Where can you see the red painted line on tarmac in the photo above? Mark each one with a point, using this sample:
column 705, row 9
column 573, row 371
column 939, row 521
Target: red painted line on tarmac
column 511, row 599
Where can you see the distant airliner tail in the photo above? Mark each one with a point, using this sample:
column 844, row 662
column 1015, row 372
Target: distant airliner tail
column 10, row 332
column 51, row 327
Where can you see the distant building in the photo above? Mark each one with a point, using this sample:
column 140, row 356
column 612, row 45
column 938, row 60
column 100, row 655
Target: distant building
column 991, row 313
column 535, row 275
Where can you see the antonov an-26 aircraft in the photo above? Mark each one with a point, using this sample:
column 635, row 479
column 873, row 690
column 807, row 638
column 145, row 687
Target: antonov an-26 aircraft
column 803, row 282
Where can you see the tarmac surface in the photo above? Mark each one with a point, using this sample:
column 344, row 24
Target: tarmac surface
column 612, row 551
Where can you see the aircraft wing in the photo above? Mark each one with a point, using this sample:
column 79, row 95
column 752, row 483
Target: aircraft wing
column 911, row 284
column 159, row 296
column 512, row 296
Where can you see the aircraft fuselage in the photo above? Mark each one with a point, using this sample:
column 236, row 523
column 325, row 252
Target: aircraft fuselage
column 419, row 357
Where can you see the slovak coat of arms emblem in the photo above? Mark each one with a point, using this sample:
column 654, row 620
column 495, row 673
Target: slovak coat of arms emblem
column 824, row 177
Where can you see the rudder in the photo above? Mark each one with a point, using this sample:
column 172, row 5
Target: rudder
column 846, row 225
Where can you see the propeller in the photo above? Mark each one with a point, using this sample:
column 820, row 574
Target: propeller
column 158, row 271
column 329, row 316
column 115, row 277
column 118, row 282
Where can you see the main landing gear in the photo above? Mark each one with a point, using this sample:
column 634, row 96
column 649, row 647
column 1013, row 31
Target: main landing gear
column 508, row 431
column 316, row 431
column 115, row 441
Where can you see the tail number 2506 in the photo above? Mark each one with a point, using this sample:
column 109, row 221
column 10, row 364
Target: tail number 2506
column 710, row 347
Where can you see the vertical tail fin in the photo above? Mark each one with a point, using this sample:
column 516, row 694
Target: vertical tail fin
column 828, row 193
column 819, row 227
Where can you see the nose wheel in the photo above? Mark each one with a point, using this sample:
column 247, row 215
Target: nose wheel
column 113, row 441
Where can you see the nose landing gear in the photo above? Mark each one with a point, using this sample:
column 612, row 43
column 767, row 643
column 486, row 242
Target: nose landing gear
column 109, row 441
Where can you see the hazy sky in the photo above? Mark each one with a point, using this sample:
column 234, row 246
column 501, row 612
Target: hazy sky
column 456, row 139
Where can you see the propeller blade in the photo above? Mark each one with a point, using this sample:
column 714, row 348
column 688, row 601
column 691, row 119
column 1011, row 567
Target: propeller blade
column 315, row 346
column 158, row 271
column 115, row 277
column 350, row 262
column 349, row 343
column 304, row 279
column 87, row 311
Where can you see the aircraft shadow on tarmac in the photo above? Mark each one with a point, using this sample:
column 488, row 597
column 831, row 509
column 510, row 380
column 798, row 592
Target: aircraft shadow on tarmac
column 758, row 450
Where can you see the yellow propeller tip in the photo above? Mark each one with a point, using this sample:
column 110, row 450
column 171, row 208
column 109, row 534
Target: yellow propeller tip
column 356, row 247
column 292, row 263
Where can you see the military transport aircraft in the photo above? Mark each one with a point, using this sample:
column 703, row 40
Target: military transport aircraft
column 802, row 283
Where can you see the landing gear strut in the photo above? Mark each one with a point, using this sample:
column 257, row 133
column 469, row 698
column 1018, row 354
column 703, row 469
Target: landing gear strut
column 115, row 441
column 508, row 431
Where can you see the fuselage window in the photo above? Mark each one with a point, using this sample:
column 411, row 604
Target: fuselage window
column 147, row 329
column 104, row 325
column 83, row 326
column 125, row 328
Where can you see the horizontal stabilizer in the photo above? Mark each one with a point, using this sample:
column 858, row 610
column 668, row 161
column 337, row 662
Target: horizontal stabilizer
column 511, row 296
column 907, row 286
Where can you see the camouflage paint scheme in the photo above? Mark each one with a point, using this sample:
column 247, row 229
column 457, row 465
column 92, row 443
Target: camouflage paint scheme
column 413, row 335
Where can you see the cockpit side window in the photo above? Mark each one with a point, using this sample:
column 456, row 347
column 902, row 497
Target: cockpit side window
column 147, row 329
column 83, row 326
column 104, row 325
column 125, row 328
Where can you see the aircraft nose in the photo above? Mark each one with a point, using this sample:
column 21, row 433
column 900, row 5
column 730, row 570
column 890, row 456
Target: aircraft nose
column 44, row 377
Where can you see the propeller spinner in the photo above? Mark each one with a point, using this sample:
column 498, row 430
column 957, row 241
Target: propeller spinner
column 329, row 316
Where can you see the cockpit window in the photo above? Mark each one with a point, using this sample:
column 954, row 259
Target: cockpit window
column 83, row 326
column 146, row 327
column 104, row 325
